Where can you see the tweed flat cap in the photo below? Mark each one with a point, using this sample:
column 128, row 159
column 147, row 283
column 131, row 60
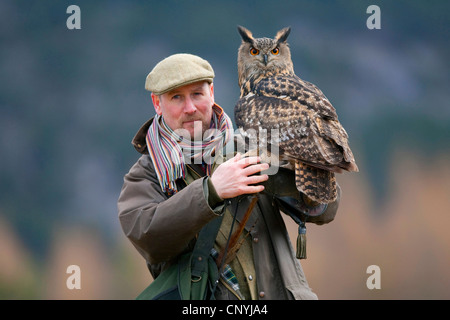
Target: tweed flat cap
column 178, row 70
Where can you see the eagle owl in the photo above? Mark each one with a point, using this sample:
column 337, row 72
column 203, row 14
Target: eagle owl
column 272, row 96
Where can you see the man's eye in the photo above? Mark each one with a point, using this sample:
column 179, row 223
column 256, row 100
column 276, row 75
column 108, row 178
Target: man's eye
column 176, row 97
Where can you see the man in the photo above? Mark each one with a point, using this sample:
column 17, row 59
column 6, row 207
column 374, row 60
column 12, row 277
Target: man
column 182, row 182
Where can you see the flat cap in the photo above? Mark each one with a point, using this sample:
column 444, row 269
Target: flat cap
column 178, row 70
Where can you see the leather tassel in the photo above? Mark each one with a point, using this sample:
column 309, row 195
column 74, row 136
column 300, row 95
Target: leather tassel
column 301, row 241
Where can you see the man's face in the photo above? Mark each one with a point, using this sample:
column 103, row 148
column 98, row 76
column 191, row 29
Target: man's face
column 188, row 107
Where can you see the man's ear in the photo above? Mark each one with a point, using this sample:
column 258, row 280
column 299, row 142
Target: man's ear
column 156, row 104
column 211, row 87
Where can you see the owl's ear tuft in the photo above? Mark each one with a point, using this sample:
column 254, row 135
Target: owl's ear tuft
column 282, row 35
column 245, row 34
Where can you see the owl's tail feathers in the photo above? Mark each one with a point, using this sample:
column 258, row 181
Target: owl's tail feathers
column 352, row 167
column 349, row 160
column 348, row 166
column 316, row 183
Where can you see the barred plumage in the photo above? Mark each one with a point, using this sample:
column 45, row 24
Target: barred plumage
column 310, row 136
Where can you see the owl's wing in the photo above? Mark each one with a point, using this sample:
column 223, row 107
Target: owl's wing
column 291, row 87
column 306, row 121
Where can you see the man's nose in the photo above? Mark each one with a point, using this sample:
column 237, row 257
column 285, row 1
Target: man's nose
column 189, row 106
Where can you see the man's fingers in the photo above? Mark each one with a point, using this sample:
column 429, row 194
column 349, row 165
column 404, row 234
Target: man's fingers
column 249, row 161
column 252, row 189
column 237, row 157
column 257, row 179
column 256, row 168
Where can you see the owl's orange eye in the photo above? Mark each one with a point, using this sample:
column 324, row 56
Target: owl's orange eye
column 254, row 51
column 275, row 51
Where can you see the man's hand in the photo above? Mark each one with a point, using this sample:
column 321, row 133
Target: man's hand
column 237, row 176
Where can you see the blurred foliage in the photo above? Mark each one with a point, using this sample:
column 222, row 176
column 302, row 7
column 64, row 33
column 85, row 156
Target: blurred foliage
column 71, row 100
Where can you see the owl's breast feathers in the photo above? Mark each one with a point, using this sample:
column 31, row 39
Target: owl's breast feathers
column 307, row 123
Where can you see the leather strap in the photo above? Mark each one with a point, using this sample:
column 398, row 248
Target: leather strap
column 203, row 246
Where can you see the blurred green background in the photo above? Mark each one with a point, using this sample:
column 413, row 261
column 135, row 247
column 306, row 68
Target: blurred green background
column 71, row 101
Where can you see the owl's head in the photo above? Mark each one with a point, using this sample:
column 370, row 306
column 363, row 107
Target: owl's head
column 263, row 56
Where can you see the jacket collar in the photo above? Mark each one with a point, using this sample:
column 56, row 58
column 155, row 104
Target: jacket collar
column 139, row 141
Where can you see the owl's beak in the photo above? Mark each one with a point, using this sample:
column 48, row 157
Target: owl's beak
column 265, row 59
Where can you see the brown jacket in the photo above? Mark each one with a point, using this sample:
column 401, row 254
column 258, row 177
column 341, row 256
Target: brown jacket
column 163, row 227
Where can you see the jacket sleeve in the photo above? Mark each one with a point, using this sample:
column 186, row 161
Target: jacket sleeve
column 161, row 227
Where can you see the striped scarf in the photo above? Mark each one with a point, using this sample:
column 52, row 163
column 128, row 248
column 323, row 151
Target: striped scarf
column 170, row 152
